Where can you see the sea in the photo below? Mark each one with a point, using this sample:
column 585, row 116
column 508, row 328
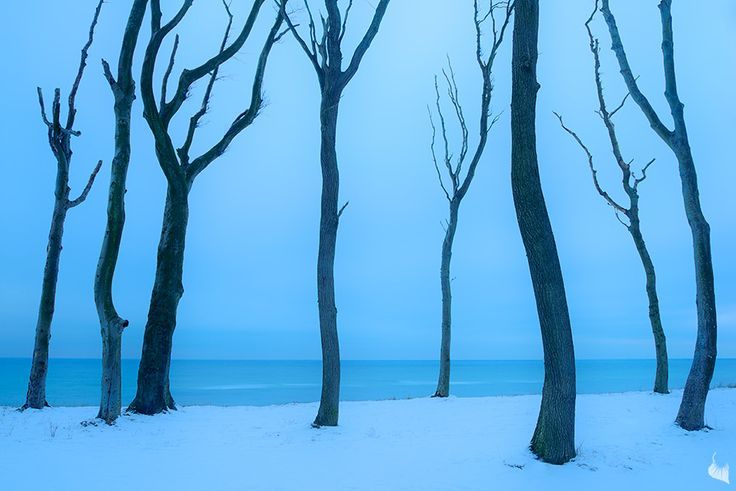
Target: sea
column 76, row 382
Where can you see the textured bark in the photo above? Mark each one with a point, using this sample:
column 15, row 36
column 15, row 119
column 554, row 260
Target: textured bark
column 36, row 396
column 111, row 324
column 443, row 383
column 328, row 412
column 691, row 415
column 326, row 57
column 153, row 393
column 554, row 436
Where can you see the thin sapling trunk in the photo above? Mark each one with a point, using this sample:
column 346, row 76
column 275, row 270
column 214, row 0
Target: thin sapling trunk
column 455, row 186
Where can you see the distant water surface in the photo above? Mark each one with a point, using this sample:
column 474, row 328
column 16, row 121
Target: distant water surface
column 75, row 382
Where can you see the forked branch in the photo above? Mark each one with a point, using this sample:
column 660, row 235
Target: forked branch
column 82, row 197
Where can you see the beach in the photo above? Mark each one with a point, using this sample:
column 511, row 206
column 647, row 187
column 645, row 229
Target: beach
column 625, row 441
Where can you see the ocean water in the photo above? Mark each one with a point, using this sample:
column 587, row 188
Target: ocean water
column 75, row 382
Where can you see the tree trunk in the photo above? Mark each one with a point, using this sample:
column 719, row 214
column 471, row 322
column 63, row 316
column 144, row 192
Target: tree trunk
column 443, row 383
column 36, row 396
column 153, row 395
column 554, row 436
column 660, row 341
column 111, row 324
column 691, row 415
column 328, row 412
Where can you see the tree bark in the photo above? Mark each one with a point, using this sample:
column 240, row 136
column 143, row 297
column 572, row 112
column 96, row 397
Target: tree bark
column 691, row 415
column 153, row 395
column 443, row 383
column 660, row 341
column 36, row 396
column 111, row 324
column 328, row 412
column 554, row 436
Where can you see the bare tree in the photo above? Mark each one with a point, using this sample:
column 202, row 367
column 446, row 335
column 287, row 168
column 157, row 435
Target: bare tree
column 458, row 185
column 326, row 55
column 180, row 169
column 60, row 135
column 111, row 324
column 691, row 415
column 630, row 183
column 554, row 436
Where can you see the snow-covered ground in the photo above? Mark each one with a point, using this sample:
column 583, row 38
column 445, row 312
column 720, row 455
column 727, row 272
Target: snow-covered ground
column 626, row 441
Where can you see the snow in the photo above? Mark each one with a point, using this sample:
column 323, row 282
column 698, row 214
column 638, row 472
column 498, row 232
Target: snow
column 626, row 441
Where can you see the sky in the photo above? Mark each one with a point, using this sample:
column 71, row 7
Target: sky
column 250, row 287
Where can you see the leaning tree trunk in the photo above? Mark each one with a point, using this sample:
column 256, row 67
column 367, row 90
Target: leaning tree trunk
column 153, row 395
column 36, row 396
column 691, row 415
column 111, row 324
column 443, row 383
column 329, row 406
column 660, row 341
column 554, row 436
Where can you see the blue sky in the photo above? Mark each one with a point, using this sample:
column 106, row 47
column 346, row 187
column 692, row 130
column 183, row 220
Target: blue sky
column 249, row 272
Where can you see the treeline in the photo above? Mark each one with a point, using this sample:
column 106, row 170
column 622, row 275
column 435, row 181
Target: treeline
column 321, row 41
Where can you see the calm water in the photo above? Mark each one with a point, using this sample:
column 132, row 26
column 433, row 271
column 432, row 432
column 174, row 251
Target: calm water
column 227, row 383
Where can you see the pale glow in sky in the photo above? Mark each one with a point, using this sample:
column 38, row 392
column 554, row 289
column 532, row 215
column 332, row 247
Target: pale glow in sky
column 249, row 272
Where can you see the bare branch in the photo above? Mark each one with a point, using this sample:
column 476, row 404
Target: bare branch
column 311, row 53
column 668, row 58
column 194, row 120
column 434, row 154
column 602, row 106
column 365, row 43
column 249, row 115
column 159, row 126
column 80, row 72
column 454, row 95
column 188, row 77
column 593, row 171
column 42, row 105
column 486, row 68
column 108, row 74
column 448, row 155
column 167, row 74
column 82, row 197
column 618, row 217
column 345, row 21
column 342, row 209
column 623, row 62
column 639, row 180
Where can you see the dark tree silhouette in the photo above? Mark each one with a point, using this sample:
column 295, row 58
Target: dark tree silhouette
column 691, row 415
column 180, row 169
column 111, row 324
column 554, row 436
column 60, row 135
column 459, row 185
column 326, row 55
column 630, row 183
